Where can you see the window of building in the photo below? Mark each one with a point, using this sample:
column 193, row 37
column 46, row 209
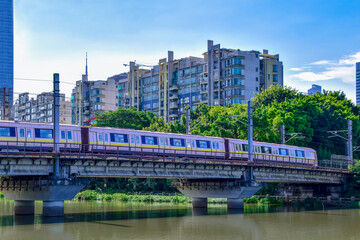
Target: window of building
column 235, row 61
column 43, row 133
column 257, row 69
column 236, row 71
column 268, row 76
column 275, row 68
column 257, row 79
column 257, row 89
column 275, row 77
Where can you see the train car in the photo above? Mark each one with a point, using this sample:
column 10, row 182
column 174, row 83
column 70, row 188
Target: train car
column 134, row 141
column 37, row 136
column 272, row 153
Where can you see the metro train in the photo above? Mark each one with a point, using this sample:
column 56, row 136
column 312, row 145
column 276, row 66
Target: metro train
column 25, row 136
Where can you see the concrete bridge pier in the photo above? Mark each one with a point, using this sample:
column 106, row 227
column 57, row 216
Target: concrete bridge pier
column 235, row 203
column 53, row 208
column 53, row 193
column 199, row 202
column 24, row 207
column 234, row 190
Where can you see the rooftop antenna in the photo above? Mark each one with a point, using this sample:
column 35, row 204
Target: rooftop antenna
column 86, row 68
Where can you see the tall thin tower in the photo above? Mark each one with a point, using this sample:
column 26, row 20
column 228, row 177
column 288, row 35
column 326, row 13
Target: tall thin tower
column 86, row 68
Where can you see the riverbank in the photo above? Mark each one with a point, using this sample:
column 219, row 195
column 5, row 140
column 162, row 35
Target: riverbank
column 92, row 195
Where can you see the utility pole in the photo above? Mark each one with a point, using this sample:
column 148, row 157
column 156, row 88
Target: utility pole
column 250, row 138
column 350, row 148
column 188, row 121
column 56, row 127
column 282, row 132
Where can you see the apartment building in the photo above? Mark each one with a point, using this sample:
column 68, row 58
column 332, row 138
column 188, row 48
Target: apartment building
column 40, row 109
column 90, row 98
column 221, row 77
column 357, row 76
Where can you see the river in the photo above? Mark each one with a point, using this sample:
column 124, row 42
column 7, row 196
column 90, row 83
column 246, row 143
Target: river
column 115, row 220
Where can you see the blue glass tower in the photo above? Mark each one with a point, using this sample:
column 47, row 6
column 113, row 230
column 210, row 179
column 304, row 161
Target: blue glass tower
column 6, row 51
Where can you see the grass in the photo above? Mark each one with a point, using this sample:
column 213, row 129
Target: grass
column 123, row 197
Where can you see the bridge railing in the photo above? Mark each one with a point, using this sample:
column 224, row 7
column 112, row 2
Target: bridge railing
column 158, row 153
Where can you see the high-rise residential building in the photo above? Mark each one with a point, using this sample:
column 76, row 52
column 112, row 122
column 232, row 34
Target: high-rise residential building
column 6, row 55
column 91, row 97
column 314, row 89
column 358, row 83
column 221, row 77
column 28, row 109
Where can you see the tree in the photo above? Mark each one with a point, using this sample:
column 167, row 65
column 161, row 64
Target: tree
column 126, row 118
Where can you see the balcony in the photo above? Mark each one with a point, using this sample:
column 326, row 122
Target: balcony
column 173, row 115
column 204, row 100
column 173, row 105
column 173, row 96
column 204, row 90
column 173, row 88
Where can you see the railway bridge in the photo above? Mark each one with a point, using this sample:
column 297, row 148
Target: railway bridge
column 27, row 176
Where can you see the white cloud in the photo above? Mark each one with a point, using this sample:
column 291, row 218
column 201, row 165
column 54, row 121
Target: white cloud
column 343, row 69
column 311, row 76
column 298, row 69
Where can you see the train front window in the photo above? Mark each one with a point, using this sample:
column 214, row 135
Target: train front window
column 202, row 144
column 149, row 140
column 43, row 133
column 300, row 153
column 283, row 152
column 266, row 150
column 177, row 142
column 121, row 138
column 7, row 132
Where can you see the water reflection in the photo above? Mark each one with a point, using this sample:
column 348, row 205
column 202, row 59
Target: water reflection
column 114, row 220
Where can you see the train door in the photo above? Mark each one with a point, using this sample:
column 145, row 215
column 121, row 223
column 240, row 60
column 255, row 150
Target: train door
column 163, row 145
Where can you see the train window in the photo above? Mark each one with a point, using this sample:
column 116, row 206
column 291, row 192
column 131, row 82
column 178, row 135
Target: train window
column 106, row 137
column 275, row 151
column 202, row 144
column 299, row 153
column 213, row 145
column 189, row 144
column 43, row 133
column 22, row 132
column 149, row 140
column 166, row 142
column 307, row 154
column 236, row 147
column 121, row 138
column 266, row 150
column 28, row 133
column 137, row 140
column 245, row 147
column 193, row 144
column 284, row 152
column 62, row 134
column 132, row 139
column 7, row 132
column 292, row 153
column 100, row 137
column 177, row 142
column 69, row 135
column 217, row 145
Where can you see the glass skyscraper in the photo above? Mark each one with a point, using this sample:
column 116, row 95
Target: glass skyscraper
column 357, row 83
column 6, row 51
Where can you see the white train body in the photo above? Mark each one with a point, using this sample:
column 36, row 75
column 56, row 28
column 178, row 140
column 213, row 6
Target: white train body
column 39, row 137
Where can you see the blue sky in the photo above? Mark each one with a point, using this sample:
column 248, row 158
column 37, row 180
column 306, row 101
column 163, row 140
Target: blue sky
column 318, row 41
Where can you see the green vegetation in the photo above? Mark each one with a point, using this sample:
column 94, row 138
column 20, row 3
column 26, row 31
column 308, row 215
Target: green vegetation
column 312, row 116
column 1, row 195
column 94, row 195
column 263, row 201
